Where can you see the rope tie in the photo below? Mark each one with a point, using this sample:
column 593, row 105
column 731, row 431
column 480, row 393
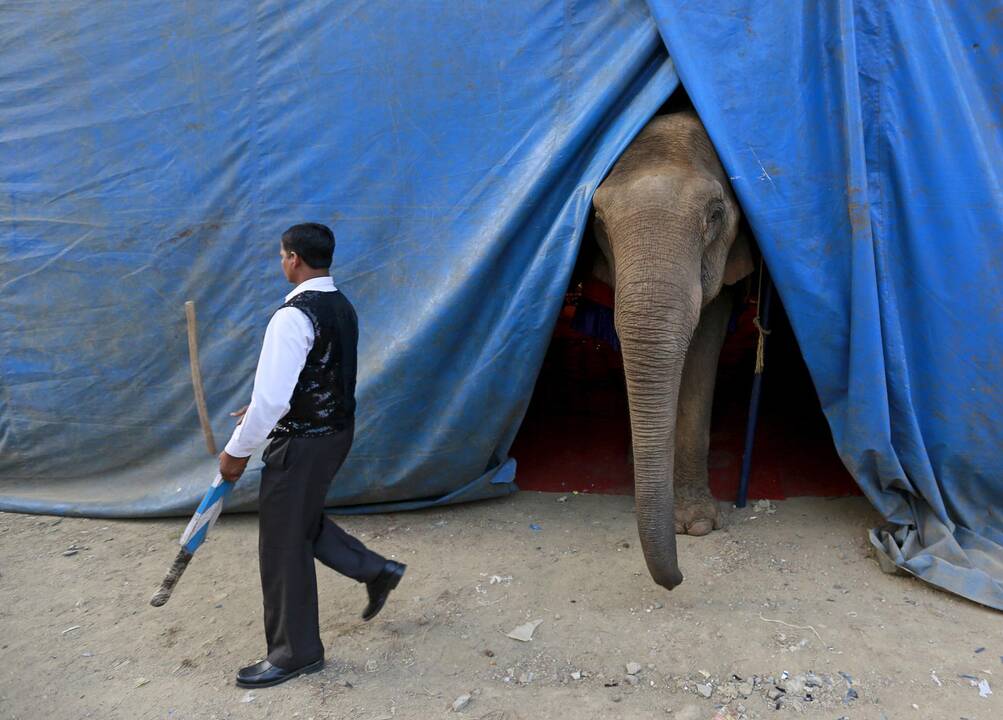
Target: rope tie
column 763, row 332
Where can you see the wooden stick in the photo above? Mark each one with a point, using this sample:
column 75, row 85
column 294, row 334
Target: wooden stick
column 193, row 359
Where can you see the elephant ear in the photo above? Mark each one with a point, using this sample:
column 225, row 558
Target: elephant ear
column 740, row 262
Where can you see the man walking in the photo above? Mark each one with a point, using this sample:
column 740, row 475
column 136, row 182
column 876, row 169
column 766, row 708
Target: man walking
column 304, row 400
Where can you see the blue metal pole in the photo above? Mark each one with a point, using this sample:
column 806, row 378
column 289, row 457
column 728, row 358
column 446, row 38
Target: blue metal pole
column 757, row 389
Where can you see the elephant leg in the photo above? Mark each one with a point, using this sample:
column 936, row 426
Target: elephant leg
column 696, row 509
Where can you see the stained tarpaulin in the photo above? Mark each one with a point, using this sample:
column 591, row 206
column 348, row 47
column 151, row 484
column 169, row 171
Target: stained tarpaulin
column 153, row 152
column 864, row 140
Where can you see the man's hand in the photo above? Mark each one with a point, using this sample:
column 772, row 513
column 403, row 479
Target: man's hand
column 230, row 467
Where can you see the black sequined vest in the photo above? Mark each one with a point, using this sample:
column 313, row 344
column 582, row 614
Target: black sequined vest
column 323, row 401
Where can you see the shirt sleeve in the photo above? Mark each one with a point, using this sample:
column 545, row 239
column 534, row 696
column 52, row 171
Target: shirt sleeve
column 288, row 339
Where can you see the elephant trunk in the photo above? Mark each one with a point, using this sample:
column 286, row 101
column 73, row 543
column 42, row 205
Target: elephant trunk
column 657, row 311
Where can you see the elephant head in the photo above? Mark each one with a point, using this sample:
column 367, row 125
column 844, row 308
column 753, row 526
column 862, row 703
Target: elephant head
column 667, row 221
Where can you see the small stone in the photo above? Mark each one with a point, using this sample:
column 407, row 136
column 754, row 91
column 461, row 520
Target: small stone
column 633, row 668
column 659, row 606
column 525, row 678
column 489, row 653
column 795, row 685
column 775, row 693
column 461, row 702
column 616, row 698
column 524, row 633
column 764, row 506
column 705, row 689
column 576, row 675
column 746, row 689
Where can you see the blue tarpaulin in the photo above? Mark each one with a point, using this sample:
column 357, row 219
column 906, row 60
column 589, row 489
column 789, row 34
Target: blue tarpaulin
column 152, row 152
column 864, row 140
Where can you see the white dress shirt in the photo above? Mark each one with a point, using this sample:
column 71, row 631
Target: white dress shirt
column 288, row 340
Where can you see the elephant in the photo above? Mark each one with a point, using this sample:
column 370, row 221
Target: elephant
column 668, row 227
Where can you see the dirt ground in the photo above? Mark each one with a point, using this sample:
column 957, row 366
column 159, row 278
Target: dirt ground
column 784, row 609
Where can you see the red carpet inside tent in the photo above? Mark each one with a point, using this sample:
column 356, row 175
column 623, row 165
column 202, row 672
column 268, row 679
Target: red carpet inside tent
column 575, row 435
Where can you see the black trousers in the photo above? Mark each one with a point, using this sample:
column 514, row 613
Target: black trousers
column 293, row 529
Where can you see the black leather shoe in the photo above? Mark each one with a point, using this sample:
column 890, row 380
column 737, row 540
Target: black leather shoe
column 264, row 674
column 379, row 589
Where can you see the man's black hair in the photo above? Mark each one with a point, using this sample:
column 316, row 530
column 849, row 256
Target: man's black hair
column 313, row 242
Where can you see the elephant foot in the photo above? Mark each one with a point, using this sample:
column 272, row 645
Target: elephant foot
column 697, row 512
